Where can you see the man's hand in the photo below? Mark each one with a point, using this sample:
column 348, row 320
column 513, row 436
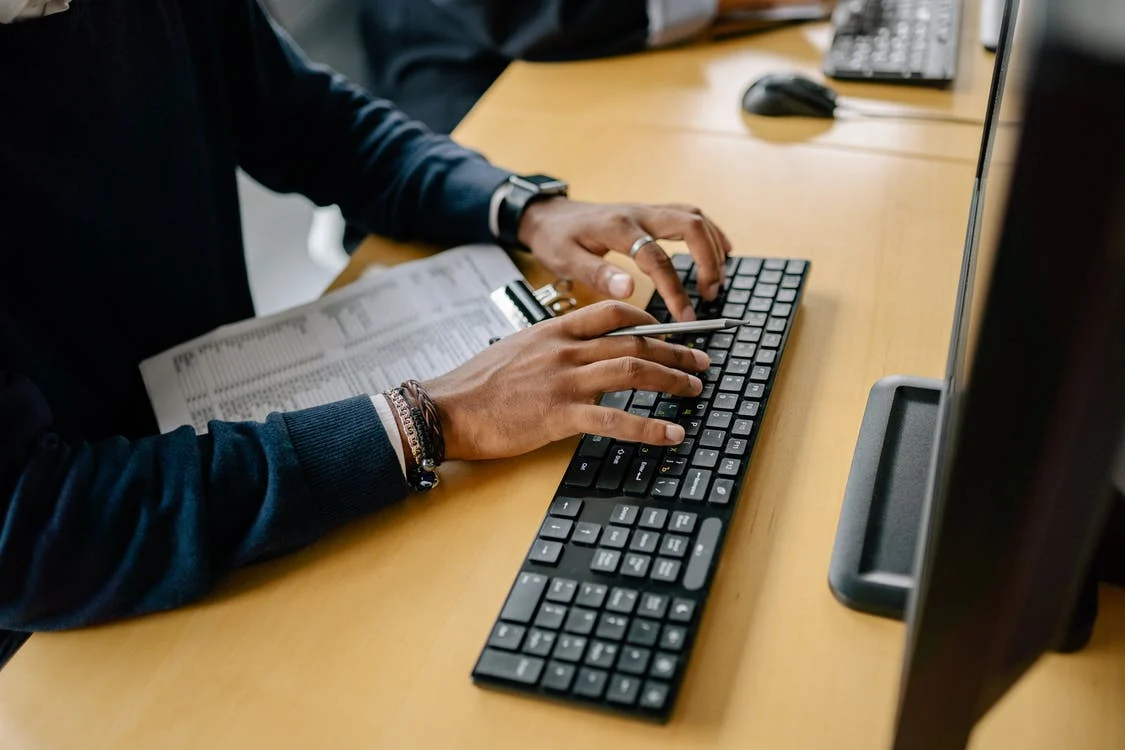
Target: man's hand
column 570, row 239
column 542, row 384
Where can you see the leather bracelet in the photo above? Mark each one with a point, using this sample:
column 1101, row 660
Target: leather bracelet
column 422, row 475
column 430, row 418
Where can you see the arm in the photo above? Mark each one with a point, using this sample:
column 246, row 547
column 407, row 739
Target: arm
column 96, row 531
column 301, row 128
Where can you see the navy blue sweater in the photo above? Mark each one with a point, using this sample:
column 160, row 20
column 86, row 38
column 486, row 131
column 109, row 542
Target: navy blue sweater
column 121, row 127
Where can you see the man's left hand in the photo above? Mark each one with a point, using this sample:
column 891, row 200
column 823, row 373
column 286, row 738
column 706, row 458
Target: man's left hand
column 570, row 238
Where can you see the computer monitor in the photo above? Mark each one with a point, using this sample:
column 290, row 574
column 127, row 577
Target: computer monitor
column 977, row 504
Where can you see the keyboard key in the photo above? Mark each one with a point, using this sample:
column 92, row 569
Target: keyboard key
column 683, row 449
column 694, row 409
column 581, row 621
column 712, row 374
column 705, row 457
column 667, row 410
column 712, row 439
column 622, row 600
column 625, row 514
column 547, row 553
column 771, row 340
column 786, row 295
column 726, row 402
column 719, row 420
column 550, row 616
column 570, row 648
column 643, row 632
column 615, row 537
column 673, row 466
column 775, row 325
column 510, row 667
column 742, row 427
column 653, row 605
column 795, row 267
column 695, row 485
column 760, row 305
column 766, row 357
column 755, row 391
column 566, row 507
column 616, row 464
column 555, row 528
column 623, row 690
column 635, row 566
column 764, row 291
column 591, row 594
column 664, row 666
column 729, row 467
column 539, row 642
column 586, row 533
column 702, row 553
column 748, row 409
column 640, row 476
column 790, row 281
column 673, row 546
column 654, row 695
column 605, row 561
column 747, row 335
column 562, row 590
column 634, row 660
column 602, row 654
column 761, row 373
column 719, row 356
column 733, row 310
column 506, row 636
column 682, row 261
column 743, row 282
column 738, row 296
column 665, row 487
column 594, row 446
column 744, row 351
column 524, row 597
column 682, row 522
column 755, row 320
column 645, row 541
column 750, row 265
column 781, row 310
column 736, row 447
column 738, row 367
column 692, row 426
column 725, row 340
column 672, row 637
column 591, row 683
column 558, row 676
column 666, row 570
column 615, row 399
column 612, row 626
column 772, row 274
column 653, row 518
column 582, row 472
column 732, row 383
column 682, row 610
column 645, row 399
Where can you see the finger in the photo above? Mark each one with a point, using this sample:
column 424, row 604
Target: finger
column 655, row 263
column 634, row 373
column 589, row 267
column 691, row 227
column 646, row 348
column 601, row 318
column 614, row 423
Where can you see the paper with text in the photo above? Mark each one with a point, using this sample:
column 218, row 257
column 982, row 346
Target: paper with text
column 414, row 320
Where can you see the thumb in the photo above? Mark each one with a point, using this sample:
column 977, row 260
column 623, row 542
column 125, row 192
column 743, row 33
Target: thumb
column 598, row 273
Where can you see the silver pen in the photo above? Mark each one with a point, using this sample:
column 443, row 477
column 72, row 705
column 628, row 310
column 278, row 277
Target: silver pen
column 691, row 326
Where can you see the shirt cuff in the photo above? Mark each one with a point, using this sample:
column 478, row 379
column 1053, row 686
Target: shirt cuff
column 494, row 208
column 671, row 21
column 390, row 426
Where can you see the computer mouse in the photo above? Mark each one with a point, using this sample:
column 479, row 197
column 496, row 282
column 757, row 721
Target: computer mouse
column 789, row 94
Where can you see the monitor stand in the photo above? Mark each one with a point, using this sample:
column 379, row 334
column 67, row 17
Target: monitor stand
column 872, row 566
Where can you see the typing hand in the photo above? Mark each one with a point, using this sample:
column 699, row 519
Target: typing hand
column 542, row 384
column 570, row 238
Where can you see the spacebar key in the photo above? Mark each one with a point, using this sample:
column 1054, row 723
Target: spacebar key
column 511, row 667
column 702, row 553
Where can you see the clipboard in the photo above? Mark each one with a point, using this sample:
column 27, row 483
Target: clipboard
column 524, row 306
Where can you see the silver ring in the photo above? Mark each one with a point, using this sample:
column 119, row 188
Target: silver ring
column 643, row 240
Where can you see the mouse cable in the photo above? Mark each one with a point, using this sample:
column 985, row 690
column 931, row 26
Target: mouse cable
column 928, row 116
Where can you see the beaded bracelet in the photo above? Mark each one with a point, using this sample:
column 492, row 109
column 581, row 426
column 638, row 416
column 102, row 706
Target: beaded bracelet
column 422, row 475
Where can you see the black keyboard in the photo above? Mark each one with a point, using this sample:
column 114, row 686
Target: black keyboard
column 909, row 41
column 605, row 608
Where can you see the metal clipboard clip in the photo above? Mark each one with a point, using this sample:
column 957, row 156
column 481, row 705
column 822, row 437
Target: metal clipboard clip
column 524, row 306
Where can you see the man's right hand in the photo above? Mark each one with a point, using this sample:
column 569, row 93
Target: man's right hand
column 543, row 383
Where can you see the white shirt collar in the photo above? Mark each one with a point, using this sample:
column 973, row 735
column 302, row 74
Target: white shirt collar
column 22, row 10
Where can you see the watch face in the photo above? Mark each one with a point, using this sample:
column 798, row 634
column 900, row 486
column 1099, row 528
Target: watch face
column 540, row 183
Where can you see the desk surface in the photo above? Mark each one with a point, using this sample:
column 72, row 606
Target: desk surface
column 367, row 639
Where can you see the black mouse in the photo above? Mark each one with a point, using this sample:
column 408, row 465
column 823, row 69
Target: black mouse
column 788, row 94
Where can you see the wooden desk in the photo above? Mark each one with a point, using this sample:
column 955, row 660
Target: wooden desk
column 367, row 639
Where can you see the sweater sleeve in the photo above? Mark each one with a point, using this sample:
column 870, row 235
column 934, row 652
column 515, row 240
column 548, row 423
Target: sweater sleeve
column 95, row 531
column 302, row 128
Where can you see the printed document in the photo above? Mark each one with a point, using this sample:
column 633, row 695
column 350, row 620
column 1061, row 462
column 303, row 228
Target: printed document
column 415, row 320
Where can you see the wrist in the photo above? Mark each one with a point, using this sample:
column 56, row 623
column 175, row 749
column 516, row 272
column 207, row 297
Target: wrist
column 532, row 223
column 520, row 193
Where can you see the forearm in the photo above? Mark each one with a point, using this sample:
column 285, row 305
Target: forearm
column 94, row 532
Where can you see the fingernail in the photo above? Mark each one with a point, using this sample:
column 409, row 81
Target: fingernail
column 619, row 284
column 687, row 314
column 701, row 359
column 674, row 433
column 696, row 384
column 713, row 291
